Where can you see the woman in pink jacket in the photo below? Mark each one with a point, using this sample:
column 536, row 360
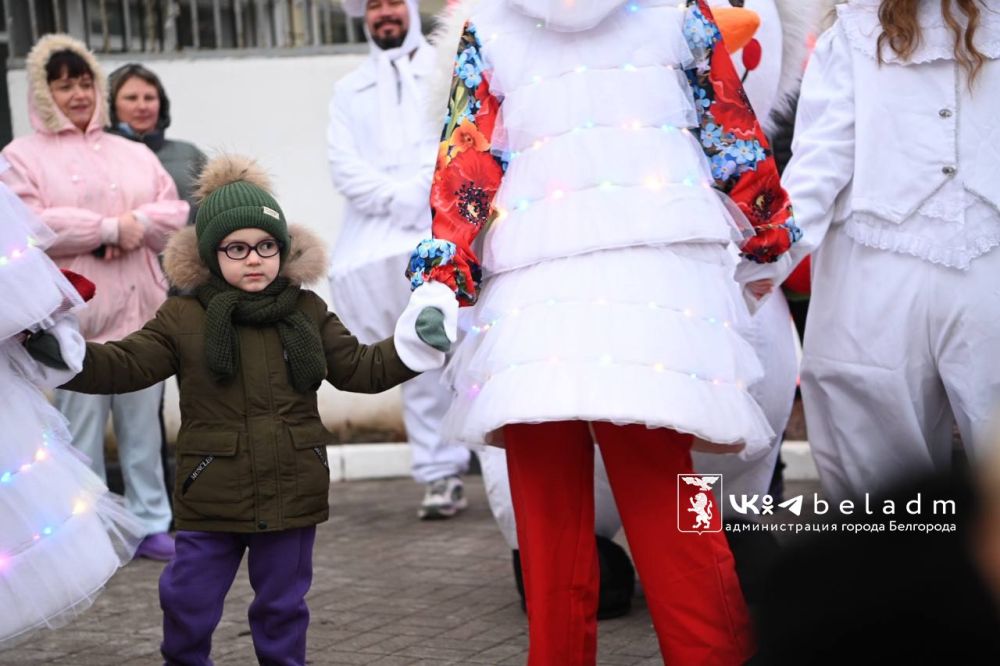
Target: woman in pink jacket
column 112, row 207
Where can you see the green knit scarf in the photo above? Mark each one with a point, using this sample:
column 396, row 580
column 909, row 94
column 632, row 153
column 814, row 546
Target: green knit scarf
column 226, row 306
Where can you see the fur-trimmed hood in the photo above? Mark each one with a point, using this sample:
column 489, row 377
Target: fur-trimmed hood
column 306, row 262
column 44, row 114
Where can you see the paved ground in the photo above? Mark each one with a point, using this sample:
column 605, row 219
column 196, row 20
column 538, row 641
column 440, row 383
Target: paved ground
column 388, row 590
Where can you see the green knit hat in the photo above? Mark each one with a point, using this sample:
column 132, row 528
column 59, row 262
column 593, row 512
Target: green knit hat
column 235, row 193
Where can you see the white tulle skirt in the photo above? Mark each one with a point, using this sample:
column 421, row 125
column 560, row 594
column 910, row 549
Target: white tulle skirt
column 62, row 534
column 646, row 335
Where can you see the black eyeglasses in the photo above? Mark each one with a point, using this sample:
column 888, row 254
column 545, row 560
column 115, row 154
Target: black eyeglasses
column 240, row 250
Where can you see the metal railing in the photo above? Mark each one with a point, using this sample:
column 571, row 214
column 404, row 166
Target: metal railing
column 166, row 26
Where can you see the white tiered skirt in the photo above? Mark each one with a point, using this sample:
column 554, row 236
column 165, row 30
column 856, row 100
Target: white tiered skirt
column 647, row 335
column 62, row 535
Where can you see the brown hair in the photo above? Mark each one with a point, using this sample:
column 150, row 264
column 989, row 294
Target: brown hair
column 901, row 30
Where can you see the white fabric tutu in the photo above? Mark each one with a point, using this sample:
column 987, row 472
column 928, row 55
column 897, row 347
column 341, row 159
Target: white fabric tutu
column 634, row 335
column 62, row 535
column 33, row 287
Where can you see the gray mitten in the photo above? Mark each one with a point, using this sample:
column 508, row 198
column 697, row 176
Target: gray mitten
column 430, row 329
column 44, row 348
column 427, row 327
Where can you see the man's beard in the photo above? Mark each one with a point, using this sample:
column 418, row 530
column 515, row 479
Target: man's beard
column 386, row 43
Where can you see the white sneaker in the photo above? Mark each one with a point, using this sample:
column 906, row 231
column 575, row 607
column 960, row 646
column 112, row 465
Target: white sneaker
column 444, row 498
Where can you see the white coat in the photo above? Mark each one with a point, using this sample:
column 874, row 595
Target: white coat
column 388, row 210
column 893, row 185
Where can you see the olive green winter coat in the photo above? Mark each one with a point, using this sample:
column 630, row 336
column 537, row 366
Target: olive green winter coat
column 251, row 453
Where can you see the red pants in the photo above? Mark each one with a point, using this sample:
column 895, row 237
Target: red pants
column 690, row 580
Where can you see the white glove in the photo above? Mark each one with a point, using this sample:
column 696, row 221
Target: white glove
column 421, row 350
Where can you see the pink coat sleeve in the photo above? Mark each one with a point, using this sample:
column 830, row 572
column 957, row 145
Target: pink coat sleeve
column 77, row 230
column 166, row 214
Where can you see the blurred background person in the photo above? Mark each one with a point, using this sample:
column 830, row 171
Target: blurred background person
column 140, row 111
column 112, row 207
column 902, row 331
column 381, row 149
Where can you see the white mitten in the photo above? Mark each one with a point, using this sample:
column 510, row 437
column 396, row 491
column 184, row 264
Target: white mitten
column 427, row 328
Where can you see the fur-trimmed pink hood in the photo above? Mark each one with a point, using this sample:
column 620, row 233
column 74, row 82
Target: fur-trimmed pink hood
column 44, row 114
column 306, row 262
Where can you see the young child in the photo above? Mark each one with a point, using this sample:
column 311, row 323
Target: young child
column 250, row 348
column 53, row 508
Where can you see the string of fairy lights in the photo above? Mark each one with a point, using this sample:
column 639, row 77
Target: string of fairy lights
column 40, row 457
column 653, row 182
column 605, row 359
column 17, row 253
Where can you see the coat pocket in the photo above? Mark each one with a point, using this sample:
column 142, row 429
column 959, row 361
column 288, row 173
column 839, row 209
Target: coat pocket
column 312, row 466
column 211, row 471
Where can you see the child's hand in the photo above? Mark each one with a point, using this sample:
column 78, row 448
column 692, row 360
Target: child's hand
column 427, row 328
column 760, row 288
column 58, row 351
column 431, row 329
column 44, row 348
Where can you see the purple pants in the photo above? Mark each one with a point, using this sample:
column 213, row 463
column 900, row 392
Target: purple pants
column 194, row 584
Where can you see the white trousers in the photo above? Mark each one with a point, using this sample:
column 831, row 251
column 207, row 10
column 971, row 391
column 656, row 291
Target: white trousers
column 369, row 299
column 136, row 420
column 772, row 335
column 896, row 350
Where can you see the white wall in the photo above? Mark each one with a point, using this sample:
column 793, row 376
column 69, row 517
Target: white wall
column 275, row 109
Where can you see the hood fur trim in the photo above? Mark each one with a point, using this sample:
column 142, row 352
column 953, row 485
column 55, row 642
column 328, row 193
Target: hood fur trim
column 306, row 263
column 40, row 98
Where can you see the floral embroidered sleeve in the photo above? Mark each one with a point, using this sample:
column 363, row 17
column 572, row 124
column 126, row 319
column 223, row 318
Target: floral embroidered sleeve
column 743, row 165
column 466, row 178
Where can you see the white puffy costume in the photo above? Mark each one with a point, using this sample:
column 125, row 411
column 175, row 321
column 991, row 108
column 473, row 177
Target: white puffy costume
column 62, row 534
column 381, row 151
column 894, row 182
column 574, row 211
column 785, row 25
column 661, row 344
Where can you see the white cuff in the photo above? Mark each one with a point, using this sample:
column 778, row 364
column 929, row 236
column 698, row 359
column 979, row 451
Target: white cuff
column 144, row 220
column 416, row 354
column 109, row 231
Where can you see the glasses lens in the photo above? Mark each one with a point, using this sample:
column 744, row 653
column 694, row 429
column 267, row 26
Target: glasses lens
column 237, row 250
column 267, row 248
